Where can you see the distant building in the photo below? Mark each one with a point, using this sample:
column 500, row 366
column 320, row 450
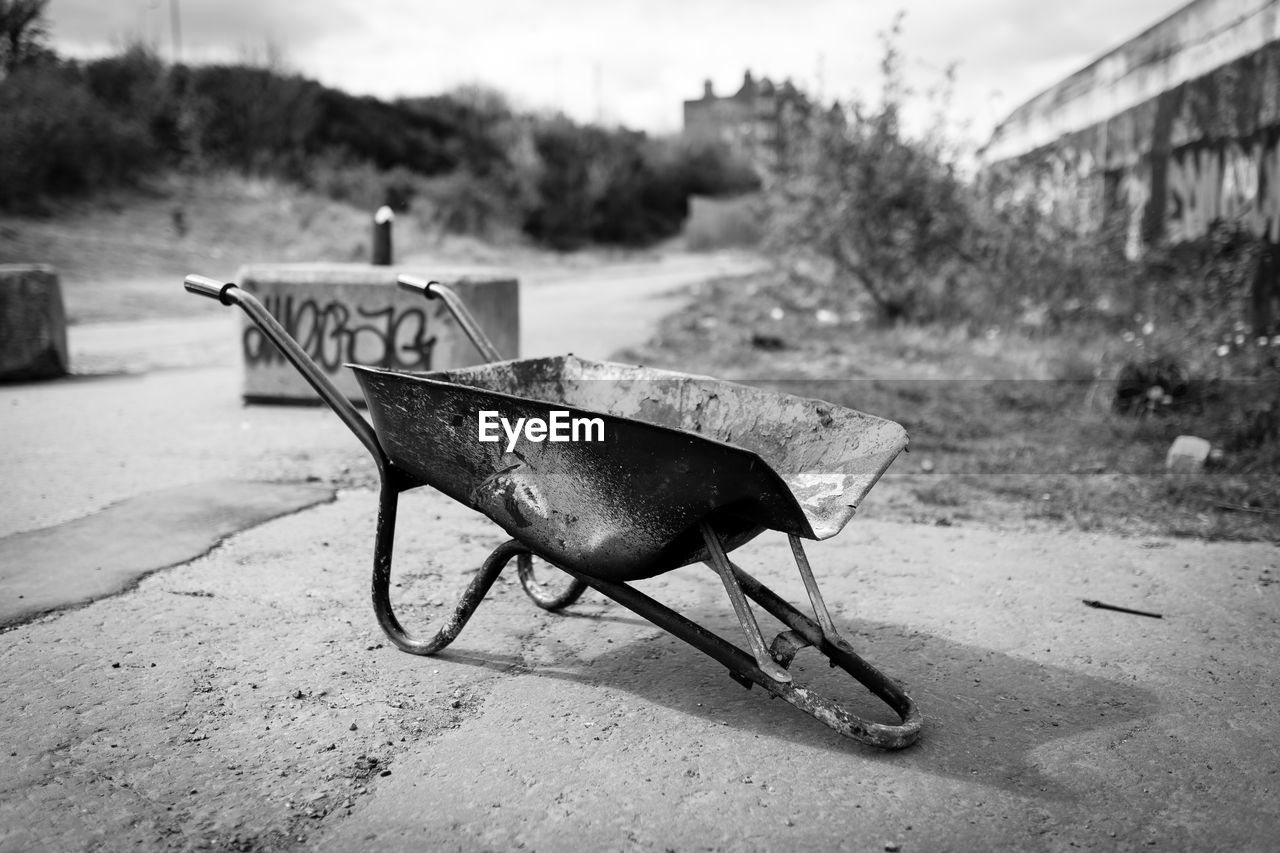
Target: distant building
column 747, row 119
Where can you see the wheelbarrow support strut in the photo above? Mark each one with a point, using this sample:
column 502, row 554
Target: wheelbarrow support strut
column 804, row 632
column 767, row 667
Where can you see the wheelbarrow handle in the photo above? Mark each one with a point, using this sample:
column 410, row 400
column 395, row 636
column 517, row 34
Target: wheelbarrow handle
column 230, row 294
column 204, row 286
column 434, row 290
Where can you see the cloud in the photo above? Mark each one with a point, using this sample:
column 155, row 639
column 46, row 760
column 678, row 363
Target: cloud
column 632, row 61
column 209, row 29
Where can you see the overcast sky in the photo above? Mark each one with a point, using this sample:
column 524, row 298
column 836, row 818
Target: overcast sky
column 629, row 62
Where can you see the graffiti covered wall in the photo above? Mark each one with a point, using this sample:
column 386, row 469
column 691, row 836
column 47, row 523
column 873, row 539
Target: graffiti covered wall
column 1172, row 131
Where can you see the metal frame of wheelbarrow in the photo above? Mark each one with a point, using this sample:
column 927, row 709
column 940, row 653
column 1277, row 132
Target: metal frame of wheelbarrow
column 767, row 667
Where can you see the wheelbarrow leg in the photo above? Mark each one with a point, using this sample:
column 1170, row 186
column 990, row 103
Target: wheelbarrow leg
column 720, row 562
column 467, row 603
column 542, row 594
column 815, row 597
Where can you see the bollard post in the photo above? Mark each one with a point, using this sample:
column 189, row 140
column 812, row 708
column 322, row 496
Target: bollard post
column 382, row 221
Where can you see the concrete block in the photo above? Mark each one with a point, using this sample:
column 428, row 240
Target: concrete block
column 355, row 313
column 33, row 323
column 1187, row 454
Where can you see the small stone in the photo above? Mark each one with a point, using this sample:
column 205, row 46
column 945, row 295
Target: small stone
column 891, row 846
column 354, row 727
column 1187, row 454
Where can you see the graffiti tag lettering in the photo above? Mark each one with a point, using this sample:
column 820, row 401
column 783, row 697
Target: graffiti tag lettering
column 1231, row 183
column 333, row 334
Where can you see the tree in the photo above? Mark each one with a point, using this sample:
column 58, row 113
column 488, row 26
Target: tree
column 885, row 212
column 22, row 33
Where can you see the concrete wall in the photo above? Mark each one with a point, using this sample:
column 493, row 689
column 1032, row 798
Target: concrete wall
column 718, row 223
column 33, row 324
column 1192, row 42
column 343, row 313
column 1170, row 131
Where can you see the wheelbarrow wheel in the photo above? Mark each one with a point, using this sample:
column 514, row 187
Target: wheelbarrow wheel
column 548, row 594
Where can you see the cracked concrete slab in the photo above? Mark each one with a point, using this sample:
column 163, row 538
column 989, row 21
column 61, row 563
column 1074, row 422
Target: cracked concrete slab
column 107, row 552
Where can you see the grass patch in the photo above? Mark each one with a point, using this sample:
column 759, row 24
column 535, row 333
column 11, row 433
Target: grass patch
column 1010, row 430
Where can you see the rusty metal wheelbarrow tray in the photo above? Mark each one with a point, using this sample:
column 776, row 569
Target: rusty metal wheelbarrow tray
column 672, row 449
column 682, row 469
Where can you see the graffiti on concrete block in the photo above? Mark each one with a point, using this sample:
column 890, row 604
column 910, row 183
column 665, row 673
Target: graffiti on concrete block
column 334, row 333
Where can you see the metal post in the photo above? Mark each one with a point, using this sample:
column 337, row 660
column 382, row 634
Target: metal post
column 382, row 221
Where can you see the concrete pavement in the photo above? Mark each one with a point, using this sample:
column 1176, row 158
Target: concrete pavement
column 247, row 701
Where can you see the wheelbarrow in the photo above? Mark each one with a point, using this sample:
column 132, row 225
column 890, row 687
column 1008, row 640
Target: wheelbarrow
column 656, row 470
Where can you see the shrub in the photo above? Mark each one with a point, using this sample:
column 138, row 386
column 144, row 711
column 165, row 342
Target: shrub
column 255, row 118
column 362, row 184
column 57, row 138
column 618, row 186
column 462, row 203
column 137, row 86
column 887, row 213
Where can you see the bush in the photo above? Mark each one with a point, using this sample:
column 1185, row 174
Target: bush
column 885, row 212
column 138, row 87
column 362, row 184
column 255, row 119
column 618, row 186
column 58, row 139
column 462, row 203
